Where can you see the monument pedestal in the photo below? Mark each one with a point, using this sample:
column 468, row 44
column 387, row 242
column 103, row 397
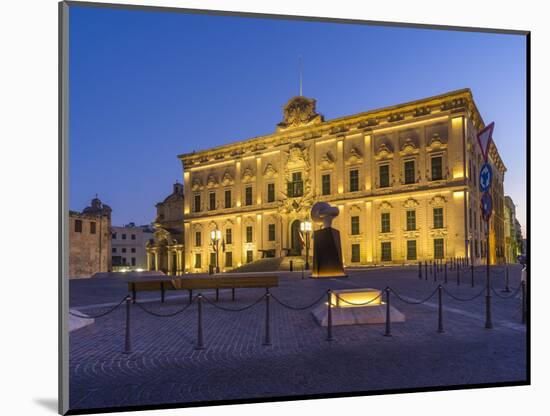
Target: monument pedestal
column 327, row 254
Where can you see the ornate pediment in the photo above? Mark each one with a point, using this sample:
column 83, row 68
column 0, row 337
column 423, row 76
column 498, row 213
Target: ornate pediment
column 327, row 161
column 409, row 147
column 354, row 156
column 197, row 184
column 438, row 200
column 270, row 171
column 212, row 181
column 354, row 209
column 227, row 178
column 385, row 205
column 435, row 142
column 411, row 203
column 384, row 150
column 248, row 175
column 299, row 111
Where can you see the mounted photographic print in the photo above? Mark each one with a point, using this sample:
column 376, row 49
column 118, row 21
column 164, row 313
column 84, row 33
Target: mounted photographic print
column 266, row 208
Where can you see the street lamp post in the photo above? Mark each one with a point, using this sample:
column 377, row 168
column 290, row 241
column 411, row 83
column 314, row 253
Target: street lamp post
column 305, row 226
column 216, row 236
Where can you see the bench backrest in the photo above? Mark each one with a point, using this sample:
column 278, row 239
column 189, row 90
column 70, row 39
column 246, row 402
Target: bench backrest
column 193, row 283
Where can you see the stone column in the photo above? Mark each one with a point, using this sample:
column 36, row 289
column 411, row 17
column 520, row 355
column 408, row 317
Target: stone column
column 148, row 260
column 157, row 266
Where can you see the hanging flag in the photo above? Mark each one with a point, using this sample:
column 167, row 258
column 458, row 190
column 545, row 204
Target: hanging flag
column 302, row 239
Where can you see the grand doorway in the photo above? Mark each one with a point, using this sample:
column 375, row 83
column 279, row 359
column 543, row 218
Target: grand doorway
column 295, row 240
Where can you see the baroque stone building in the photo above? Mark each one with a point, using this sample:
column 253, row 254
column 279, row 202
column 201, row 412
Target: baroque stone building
column 90, row 240
column 403, row 177
column 165, row 250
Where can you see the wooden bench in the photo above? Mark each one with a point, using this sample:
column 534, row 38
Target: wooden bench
column 164, row 283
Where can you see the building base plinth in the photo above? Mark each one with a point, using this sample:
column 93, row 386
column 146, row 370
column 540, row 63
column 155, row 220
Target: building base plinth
column 375, row 314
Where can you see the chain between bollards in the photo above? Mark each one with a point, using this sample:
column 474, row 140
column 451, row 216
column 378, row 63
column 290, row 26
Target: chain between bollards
column 440, row 309
column 267, row 340
column 127, row 341
column 200, row 343
column 329, row 316
column 388, row 319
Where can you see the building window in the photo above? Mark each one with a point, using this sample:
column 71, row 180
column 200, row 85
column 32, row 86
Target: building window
column 133, row 261
column 271, row 232
column 384, row 173
column 213, row 259
column 295, row 187
column 248, row 195
column 124, row 249
column 124, row 236
column 411, row 220
column 198, row 260
column 113, row 236
column 92, row 227
column 249, row 234
column 385, row 222
column 353, row 180
column 197, row 203
column 77, row 226
column 438, row 217
column 228, row 236
column 228, row 259
column 411, row 249
column 198, row 239
column 270, row 192
column 409, row 172
column 438, row 248
column 228, row 198
column 354, row 225
column 113, row 250
column 212, row 201
column 249, row 256
column 325, row 184
column 386, row 251
column 437, row 168
column 355, row 253
column 133, row 236
column 133, row 250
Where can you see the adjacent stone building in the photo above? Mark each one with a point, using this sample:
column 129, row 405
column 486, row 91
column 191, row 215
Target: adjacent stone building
column 404, row 178
column 129, row 246
column 165, row 251
column 90, row 240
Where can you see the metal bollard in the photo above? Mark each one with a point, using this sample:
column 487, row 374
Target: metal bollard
column 329, row 316
column 457, row 276
column 488, row 318
column 267, row 340
column 431, row 268
column 127, row 340
column 435, row 270
column 523, row 303
column 200, row 343
column 506, row 282
column 388, row 319
column 302, row 272
column 134, row 297
column 162, row 292
column 217, row 295
column 190, row 291
column 445, row 272
column 440, row 310
column 233, row 294
column 420, row 270
column 290, row 266
column 472, row 271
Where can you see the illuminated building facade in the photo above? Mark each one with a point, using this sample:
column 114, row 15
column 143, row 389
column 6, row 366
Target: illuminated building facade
column 404, row 178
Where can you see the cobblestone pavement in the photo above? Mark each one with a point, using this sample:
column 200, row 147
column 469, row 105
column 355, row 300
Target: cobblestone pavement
column 164, row 367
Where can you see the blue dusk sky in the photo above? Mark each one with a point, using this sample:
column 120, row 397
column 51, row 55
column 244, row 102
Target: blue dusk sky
column 146, row 86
